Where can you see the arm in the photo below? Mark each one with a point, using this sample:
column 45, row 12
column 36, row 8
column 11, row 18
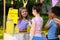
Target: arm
column 57, row 21
column 30, row 23
column 32, row 31
column 47, row 26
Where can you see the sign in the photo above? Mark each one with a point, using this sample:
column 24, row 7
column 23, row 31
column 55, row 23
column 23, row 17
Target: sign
column 13, row 14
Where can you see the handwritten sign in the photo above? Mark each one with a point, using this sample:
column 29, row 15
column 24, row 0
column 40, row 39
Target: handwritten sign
column 13, row 14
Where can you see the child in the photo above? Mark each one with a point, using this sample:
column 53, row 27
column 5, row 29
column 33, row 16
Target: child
column 51, row 25
column 37, row 22
column 22, row 23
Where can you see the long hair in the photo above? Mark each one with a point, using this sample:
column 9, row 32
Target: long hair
column 20, row 16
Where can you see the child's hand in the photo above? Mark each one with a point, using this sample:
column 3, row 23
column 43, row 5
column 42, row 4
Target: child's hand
column 57, row 21
column 29, row 23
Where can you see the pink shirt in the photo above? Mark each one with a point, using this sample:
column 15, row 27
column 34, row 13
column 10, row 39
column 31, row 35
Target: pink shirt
column 38, row 24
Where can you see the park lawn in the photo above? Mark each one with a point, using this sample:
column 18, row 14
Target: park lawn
column 1, row 32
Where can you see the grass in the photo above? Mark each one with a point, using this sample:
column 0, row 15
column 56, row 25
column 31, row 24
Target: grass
column 1, row 32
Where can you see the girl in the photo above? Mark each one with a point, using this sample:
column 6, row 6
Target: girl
column 22, row 23
column 51, row 25
column 37, row 22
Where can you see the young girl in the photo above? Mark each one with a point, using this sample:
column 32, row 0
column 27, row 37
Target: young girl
column 22, row 23
column 37, row 22
column 51, row 25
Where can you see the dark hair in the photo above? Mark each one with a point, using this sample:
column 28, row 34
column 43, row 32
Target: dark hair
column 37, row 7
column 56, row 10
column 20, row 16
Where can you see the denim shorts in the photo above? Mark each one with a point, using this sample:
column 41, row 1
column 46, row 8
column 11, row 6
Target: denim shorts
column 53, row 39
column 39, row 38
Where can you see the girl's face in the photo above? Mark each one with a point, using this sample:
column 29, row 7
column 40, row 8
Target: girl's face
column 51, row 15
column 34, row 12
column 24, row 13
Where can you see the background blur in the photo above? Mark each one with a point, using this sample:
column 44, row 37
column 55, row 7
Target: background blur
column 47, row 4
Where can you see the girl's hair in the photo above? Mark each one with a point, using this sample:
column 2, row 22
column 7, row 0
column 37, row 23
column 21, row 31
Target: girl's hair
column 37, row 7
column 56, row 10
column 20, row 16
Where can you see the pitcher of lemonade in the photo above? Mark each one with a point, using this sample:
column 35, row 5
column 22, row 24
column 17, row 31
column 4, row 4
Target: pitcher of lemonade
column 9, row 26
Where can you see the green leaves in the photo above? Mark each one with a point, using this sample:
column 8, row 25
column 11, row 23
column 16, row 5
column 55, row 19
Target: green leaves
column 47, row 2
